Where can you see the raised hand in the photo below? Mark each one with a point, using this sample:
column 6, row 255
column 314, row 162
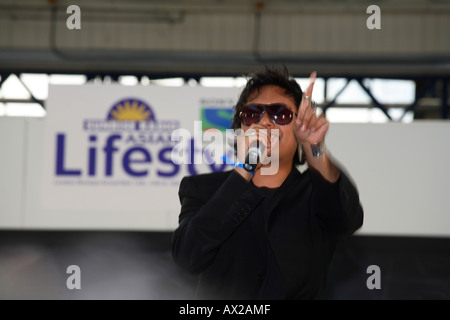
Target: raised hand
column 308, row 126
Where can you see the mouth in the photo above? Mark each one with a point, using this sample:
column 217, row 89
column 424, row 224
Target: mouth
column 269, row 136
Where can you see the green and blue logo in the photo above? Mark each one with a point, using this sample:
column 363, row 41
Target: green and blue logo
column 216, row 118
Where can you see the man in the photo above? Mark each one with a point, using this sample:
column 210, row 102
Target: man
column 250, row 235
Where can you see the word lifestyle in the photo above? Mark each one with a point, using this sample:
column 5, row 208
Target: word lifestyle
column 109, row 155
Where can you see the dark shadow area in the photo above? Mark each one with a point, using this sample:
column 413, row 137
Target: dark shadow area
column 412, row 268
column 138, row 265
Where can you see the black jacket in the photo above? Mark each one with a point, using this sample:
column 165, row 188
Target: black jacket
column 307, row 217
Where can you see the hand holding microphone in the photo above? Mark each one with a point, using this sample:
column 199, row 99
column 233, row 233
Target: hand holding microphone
column 254, row 155
column 251, row 148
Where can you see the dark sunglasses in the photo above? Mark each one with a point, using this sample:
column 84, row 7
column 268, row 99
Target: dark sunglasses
column 279, row 113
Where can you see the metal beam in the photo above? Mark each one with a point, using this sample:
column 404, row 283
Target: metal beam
column 419, row 96
column 374, row 100
column 332, row 102
column 32, row 97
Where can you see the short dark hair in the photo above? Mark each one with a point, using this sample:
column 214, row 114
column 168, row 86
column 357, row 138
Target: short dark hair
column 270, row 76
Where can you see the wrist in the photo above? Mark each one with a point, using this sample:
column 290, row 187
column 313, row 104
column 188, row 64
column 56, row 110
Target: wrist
column 318, row 149
column 244, row 173
column 243, row 169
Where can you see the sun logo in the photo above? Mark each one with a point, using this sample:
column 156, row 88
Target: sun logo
column 131, row 110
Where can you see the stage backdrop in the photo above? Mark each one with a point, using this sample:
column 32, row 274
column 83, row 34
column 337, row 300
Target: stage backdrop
column 110, row 148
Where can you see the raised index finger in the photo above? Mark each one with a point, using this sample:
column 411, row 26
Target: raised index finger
column 312, row 79
column 304, row 104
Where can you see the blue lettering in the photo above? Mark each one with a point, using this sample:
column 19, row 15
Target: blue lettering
column 164, row 156
column 191, row 167
column 92, row 157
column 60, row 153
column 132, row 157
column 130, row 139
column 126, row 161
column 109, row 150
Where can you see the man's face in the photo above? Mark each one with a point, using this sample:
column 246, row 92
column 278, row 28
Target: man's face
column 287, row 141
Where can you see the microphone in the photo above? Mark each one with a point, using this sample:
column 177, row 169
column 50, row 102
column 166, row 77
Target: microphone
column 255, row 151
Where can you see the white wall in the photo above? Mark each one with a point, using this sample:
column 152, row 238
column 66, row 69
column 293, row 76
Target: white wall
column 12, row 171
column 401, row 170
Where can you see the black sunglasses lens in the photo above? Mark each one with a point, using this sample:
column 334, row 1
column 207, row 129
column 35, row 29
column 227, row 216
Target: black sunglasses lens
column 251, row 114
column 279, row 113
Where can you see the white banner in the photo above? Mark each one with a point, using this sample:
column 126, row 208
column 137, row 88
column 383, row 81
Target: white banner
column 108, row 147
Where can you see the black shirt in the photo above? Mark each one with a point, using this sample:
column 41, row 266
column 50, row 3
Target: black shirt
column 270, row 276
